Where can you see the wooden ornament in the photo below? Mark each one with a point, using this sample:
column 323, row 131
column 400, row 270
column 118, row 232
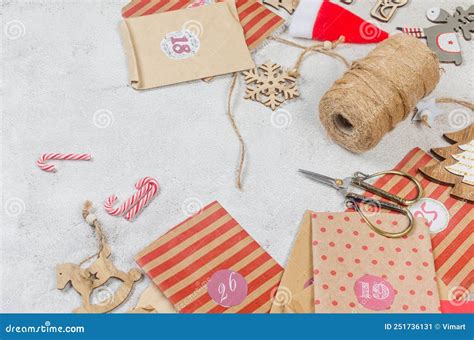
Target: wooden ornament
column 457, row 165
column 152, row 300
column 384, row 10
column 443, row 38
column 86, row 280
column 270, row 85
column 287, row 5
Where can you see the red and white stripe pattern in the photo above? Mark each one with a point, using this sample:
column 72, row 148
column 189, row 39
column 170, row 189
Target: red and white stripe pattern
column 182, row 261
column 416, row 32
column 147, row 188
column 257, row 21
column 41, row 162
column 453, row 248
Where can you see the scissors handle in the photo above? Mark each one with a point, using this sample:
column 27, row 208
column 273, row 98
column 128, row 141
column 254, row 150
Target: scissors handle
column 354, row 200
column 359, row 180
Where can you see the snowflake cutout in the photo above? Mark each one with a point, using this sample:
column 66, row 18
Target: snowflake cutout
column 270, row 85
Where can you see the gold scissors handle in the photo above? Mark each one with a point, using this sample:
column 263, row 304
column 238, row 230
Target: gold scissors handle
column 354, row 200
column 359, row 181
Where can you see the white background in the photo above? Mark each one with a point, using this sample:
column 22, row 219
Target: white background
column 64, row 65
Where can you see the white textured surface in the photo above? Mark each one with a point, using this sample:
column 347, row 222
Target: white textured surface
column 67, row 63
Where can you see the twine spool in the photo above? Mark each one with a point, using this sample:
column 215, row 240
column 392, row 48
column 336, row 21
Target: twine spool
column 378, row 92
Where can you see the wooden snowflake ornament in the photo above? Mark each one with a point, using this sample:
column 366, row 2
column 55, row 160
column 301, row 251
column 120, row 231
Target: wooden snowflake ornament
column 270, row 85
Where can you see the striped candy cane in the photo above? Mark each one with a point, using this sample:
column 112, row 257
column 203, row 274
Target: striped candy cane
column 41, row 162
column 147, row 188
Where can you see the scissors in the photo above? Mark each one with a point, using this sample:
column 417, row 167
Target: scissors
column 354, row 200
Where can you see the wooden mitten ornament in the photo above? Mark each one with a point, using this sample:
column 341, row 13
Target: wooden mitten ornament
column 457, row 167
column 287, row 5
column 442, row 38
column 86, row 280
column 384, row 10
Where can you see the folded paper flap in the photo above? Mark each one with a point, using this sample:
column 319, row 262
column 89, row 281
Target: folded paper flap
column 257, row 21
column 298, row 270
column 129, row 53
column 349, row 256
column 188, row 44
column 186, row 263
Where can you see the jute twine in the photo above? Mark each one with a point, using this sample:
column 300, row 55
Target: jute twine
column 378, row 92
column 91, row 219
column 326, row 48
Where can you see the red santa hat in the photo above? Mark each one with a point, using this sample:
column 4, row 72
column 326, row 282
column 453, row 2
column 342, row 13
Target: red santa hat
column 323, row 20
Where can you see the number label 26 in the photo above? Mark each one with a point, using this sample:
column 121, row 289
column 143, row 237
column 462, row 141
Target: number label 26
column 227, row 288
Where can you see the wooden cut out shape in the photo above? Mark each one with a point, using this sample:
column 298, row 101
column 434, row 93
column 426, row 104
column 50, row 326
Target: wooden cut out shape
column 384, row 10
column 461, row 20
column 465, row 163
column 86, row 280
column 270, row 85
column 442, row 38
column 287, row 5
column 454, row 159
column 152, row 300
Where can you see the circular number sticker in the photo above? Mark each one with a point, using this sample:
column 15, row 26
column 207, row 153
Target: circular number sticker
column 227, row 288
column 435, row 213
column 199, row 3
column 180, row 44
column 374, row 293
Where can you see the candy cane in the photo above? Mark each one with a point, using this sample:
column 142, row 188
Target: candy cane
column 143, row 202
column 147, row 188
column 41, row 162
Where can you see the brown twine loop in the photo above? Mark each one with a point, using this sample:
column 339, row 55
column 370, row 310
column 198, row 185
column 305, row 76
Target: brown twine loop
column 87, row 212
column 325, row 47
column 378, row 92
column 448, row 100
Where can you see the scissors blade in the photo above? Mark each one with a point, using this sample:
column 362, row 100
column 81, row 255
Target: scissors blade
column 321, row 178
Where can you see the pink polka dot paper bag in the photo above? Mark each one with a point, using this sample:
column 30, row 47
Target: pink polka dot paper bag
column 356, row 270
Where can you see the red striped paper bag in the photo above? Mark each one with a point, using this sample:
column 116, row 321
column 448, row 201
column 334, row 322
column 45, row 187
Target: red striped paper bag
column 210, row 264
column 257, row 21
column 451, row 228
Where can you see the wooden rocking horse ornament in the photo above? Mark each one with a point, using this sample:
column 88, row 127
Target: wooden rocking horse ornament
column 85, row 280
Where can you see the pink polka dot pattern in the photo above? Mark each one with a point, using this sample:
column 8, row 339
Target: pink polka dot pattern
column 346, row 249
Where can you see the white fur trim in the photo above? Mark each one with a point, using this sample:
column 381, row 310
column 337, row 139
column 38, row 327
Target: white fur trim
column 304, row 17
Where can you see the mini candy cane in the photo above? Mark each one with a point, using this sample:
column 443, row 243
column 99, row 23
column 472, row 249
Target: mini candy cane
column 147, row 188
column 41, row 162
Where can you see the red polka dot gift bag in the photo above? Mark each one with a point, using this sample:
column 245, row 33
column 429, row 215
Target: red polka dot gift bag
column 450, row 224
column 358, row 271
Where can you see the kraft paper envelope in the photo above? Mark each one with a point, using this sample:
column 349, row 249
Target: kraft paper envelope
column 295, row 294
column 189, row 44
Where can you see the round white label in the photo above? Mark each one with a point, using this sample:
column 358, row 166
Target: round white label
column 434, row 212
column 180, row 44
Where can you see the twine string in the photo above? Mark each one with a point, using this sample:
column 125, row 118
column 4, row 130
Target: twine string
column 326, row 48
column 86, row 211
